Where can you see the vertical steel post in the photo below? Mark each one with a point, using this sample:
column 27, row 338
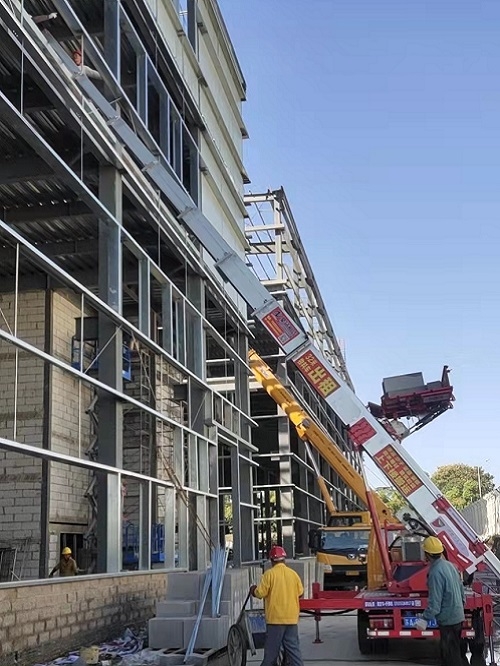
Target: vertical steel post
column 110, row 364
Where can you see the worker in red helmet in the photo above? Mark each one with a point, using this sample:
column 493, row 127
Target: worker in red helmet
column 281, row 589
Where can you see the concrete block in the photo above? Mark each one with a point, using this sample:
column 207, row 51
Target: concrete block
column 235, row 581
column 184, row 586
column 225, row 607
column 174, row 608
column 166, row 632
column 212, row 633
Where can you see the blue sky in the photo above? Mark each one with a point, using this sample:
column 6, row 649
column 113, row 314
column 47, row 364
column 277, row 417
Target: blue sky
column 381, row 120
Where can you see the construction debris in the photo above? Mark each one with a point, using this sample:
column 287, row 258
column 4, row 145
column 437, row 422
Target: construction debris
column 128, row 650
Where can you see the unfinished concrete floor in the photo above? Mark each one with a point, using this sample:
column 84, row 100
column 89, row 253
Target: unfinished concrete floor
column 340, row 646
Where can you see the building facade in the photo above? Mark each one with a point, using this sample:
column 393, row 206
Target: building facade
column 109, row 311
column 130, row 431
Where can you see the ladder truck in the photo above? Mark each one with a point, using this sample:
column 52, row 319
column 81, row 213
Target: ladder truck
column 402, row 542
column 405, row 588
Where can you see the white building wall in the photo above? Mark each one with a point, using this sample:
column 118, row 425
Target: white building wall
column 217, row 88
column 484, row 515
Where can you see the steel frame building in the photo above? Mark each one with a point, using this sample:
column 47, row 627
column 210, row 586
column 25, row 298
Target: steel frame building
column 126, row 422
column 109, row 309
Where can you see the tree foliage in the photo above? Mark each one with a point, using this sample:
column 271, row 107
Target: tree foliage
column 460, row 484
column 391, row 498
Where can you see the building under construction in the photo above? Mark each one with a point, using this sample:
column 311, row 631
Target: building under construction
column 129, row 429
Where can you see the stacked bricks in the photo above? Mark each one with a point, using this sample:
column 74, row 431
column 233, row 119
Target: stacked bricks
column 176, row 615
column 41, row 621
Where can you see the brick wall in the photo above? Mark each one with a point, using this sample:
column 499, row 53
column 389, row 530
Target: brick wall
column 45, row 620
column 20, row 476
column 139, row 427
column 70, row 428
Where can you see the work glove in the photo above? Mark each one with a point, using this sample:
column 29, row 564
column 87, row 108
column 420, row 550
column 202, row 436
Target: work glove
column 53, row 15
column 421, row 624
column 252, row 590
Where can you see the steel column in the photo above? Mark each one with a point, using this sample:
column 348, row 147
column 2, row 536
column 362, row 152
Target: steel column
column 145, row 526
column 110, row 428
column 112, row 36
column 43, row 562
column 145, row 296
column 286, row 494
column 169, row 522
column 236, row 506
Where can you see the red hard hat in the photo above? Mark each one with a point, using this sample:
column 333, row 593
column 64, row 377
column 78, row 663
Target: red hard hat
column 277, row 553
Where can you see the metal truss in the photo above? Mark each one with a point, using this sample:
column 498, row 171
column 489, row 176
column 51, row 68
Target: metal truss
column 278, row 257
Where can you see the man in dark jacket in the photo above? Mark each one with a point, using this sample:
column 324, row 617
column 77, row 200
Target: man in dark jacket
column 445, row 603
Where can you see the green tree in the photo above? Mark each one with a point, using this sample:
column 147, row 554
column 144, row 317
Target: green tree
column 391, row 498
column 460, row 483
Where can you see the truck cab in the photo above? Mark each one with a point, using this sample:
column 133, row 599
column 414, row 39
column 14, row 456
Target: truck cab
column 342, row 548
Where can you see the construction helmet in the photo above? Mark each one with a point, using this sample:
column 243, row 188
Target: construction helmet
column 433, row 546
column 277, row 553
column 66, row 551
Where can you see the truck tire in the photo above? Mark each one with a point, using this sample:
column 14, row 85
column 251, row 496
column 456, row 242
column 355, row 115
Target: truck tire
column 364, row 643
column 477, row 645
column 369, row 645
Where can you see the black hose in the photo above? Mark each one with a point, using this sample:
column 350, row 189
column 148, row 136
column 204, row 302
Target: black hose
column 331, row 614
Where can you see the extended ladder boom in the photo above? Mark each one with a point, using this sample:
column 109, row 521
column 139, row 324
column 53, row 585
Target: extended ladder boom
column 312, row 432
column 365, row 431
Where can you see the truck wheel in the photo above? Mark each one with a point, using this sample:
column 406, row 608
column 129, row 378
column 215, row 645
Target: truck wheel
column 380, row 646
column 364, row 643
column 477, row 645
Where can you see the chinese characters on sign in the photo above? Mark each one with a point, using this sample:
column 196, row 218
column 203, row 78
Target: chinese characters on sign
column 397, row 471
column 395, row 603
column 361, row 431
column 316, row 374
column 280, row 326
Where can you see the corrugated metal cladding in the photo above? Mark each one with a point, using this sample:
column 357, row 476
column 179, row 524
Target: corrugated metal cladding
column 484, row 515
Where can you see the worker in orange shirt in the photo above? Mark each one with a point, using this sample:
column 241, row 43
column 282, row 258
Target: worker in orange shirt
column 281, row 589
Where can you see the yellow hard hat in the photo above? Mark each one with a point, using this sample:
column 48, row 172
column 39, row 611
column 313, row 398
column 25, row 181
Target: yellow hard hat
column 433, row 546
column 66, row 551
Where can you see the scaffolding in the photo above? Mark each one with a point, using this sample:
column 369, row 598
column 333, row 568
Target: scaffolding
column 286, row 492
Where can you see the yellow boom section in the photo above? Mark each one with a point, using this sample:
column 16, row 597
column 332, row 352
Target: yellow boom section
column 311, row 432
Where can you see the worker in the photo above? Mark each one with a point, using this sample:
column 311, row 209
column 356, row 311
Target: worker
column 88, row 71
column 445, row 603
column 281, row 588
column 43, row 18
column 66, row 565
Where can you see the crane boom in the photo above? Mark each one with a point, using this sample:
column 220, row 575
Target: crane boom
column 312, row 432
column 365, row 431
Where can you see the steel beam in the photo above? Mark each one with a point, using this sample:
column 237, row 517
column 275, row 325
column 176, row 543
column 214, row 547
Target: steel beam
column 46, row 212
column 24, row 169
